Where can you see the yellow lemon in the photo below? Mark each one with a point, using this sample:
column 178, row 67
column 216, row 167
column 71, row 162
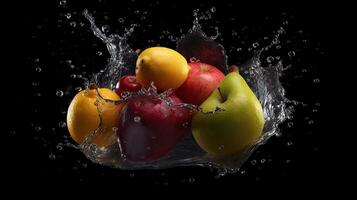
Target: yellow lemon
column 165, row 67
column 84, row 115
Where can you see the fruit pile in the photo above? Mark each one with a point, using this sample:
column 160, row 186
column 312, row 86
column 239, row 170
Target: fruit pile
column 147, row 127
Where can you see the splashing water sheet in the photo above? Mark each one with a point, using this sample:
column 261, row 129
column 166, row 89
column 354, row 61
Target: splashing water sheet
column 99, row 45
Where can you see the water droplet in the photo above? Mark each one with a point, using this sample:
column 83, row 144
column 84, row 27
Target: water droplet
column 289, row 143
column 234, row 33
column 253, row 162
column 250, row 49
column 304, row 70
column 285, row 22
column 38, row 128
column 73, row 76
column 52, row 156
column 243, row 172
column 165, row 32
column 275, row 41
column 255, row 45
column 288, row 161
column 72, row 66
column 317, row 104
column 73, row 24
column 99, row 53
column 239, row 49
column 68, row 15
column 78, row 89
column 38, row 69
column 137, row 11
column 62, row 2
column 105, row 28
column 121, row 20
column 172, row 38
column 310, row 122
column 137, row 119
column 59, row 147
column 185, row 124
column 59, row 93
column 62, row 124
column 270, row 59
column 278, row 47
column 213, row 9
column 281, row 30
column 314, row 110
column 291, row 54
column 316, row 80
column 194, row 59
column 35, row 84
column 191, row 180
column 262, row 160
column 290, row 124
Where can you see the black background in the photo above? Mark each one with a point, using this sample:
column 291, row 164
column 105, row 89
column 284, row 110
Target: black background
column 295, row 156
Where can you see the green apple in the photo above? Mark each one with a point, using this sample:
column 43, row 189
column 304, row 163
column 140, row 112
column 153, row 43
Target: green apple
column 235, row 128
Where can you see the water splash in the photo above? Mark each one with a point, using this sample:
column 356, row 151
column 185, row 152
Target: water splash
column 121, row 55
column 263, row 80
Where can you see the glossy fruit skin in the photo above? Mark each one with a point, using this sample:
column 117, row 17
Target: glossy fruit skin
column 83, row 117
column 202, row 80
column 149, row 128
column 127, row 83
column 237, row 127
column 165, row 67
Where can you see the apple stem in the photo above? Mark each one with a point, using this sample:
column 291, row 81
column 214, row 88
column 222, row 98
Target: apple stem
column 220, row 93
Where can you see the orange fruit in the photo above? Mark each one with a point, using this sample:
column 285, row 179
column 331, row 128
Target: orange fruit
column 165, row 67
column 83, row 117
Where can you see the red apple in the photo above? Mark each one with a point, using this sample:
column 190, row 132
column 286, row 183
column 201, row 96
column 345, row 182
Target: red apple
column 127, row 83
column 202, row 80
column 149, row 128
